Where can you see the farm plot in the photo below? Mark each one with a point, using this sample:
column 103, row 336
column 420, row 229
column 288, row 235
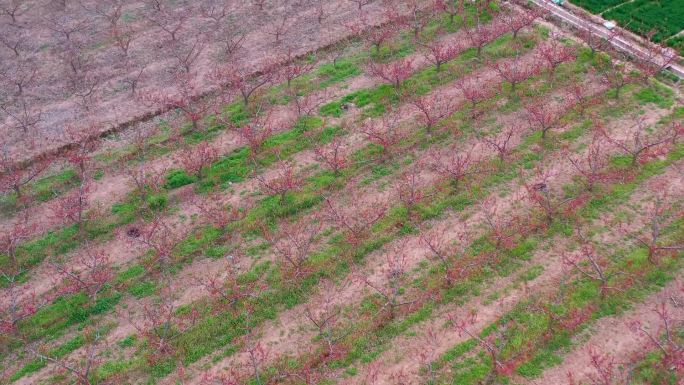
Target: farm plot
column 666, row 18
column 460, row 196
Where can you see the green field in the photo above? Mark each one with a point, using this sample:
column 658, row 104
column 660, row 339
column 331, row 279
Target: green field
column 666, row 18
column 596, row 6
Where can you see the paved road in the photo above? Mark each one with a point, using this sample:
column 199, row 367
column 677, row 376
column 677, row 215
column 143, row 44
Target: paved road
column 617, row 41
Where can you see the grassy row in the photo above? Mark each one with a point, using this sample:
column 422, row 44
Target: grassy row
column 41, row 190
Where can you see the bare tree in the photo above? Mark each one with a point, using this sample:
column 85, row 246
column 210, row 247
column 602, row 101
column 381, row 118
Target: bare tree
column 393, row 280
column 590, row 264
column 355, row 225
column 171, row 22
column 15, row 8
column 15, row 176
column 81, row 367
column 640, row 142
column 294, row 245
column 324, row 313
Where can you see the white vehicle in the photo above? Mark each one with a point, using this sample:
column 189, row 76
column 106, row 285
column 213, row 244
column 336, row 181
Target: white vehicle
column 609, row 25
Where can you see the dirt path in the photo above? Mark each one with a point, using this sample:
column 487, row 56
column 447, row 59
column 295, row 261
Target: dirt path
column 117, row 110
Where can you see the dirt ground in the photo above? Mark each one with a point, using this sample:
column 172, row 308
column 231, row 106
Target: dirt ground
column 111, row 105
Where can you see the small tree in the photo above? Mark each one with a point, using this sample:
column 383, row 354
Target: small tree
column 19, row 232
column 161, row 324
column 237, row 78
column 257, row 355
column 454, row 165
column 515, row 70
column 500, row 142
column 282, row 182
column 432, row 109
column 540, row 194
column 616, row 75
column 197, row 159
column 293, row 69
column 324, row 313
column 227, row 288
column 452, row 8
column 372, row 35
column 463, row 324
column 71, row 207
column 334, row 155
column 541, row 115
column 15, row 9
column 171, row 22
column 306, row 104
column 579, row 97
column 21, row 75
column 554, row 53
column 394, row 278
column 592, row 165
column 449, row 254
column 384, row 133
column 417, row 17
column 355, row 225
column 503, row 228
column 361, row 3
column 89, row 272
column 655, row 59
column 84, row 141
column 146, row 181
column 186, row 98
column 521, row 18
column 597, row 42
column 394, row 73
column 481, row 35
column 428, row 353
column 23, row 116
column 473, row 91
column 409, row 189
column 255, row 132
column 664, row 339
column 293, row 245
column 215, row 212
column 279, row 29
column 590, row 264
column 18, row 304
column 639, row 142
column 657, row 213
column 186, row 52
column 81, row 367
column 14, row 176
column 162, row 238
column 606, row 370
column 439, row 52
column 123, row 38
column 134, row 76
